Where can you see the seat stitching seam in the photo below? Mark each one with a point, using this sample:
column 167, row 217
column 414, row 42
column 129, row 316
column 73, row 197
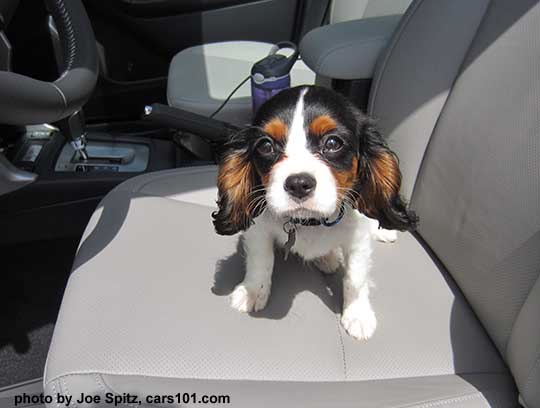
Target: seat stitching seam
column 340, row 336
column 104, row 386
column 100, row 381
column 132, row 374
column 445, row 401
column 64, row 381
column 59, row 382
column 342, row 346
column 175, row 201
column 54, row 391
column 156, row 177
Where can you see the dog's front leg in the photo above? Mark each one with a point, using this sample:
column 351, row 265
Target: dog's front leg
column 358, row 317
column 252, row 294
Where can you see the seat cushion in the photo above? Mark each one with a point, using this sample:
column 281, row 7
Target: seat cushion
column 146, row 311
column 201, row 78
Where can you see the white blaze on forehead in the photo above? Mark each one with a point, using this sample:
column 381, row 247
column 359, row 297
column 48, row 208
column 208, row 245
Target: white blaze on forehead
column 297, row 139
column 299, row 159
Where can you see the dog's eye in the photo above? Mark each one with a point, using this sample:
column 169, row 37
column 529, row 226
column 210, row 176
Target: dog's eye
column 265, row 147
column 333, row 144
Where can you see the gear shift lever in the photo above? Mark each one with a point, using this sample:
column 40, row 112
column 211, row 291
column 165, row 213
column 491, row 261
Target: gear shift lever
column 73, row 130
column 103, row 153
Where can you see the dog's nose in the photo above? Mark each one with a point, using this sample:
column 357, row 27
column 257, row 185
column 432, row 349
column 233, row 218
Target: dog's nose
column 300, row 185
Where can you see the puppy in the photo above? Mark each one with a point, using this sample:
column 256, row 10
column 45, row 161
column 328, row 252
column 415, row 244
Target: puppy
column 313, row 176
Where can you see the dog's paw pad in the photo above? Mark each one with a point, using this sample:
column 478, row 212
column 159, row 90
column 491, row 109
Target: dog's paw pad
column 246, row 299
column 384, row 235
column 359, row 323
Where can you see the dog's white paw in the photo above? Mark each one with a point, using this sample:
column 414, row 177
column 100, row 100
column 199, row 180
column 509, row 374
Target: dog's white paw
column 329, row 263
column 359, row 321
column 384, row 235
column 248, row 299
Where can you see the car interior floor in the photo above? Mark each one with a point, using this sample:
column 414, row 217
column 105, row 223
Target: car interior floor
column 34, row 279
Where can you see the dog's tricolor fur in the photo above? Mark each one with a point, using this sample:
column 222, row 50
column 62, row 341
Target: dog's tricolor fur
column 316, row 133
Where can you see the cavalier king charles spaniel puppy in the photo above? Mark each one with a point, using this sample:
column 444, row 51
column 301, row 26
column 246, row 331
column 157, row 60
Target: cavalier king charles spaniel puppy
column 313, row 176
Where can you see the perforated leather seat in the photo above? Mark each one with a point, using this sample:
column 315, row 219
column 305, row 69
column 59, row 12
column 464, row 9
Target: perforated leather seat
column 201, row 77
column 145, row 310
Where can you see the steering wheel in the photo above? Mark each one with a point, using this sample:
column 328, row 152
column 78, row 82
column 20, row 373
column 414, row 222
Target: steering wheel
column 26, row 101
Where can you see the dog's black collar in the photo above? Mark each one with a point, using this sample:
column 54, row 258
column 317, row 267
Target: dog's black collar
column 290, row 227
column 313, row 222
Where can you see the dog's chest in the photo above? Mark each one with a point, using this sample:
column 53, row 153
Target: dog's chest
column 312, row 242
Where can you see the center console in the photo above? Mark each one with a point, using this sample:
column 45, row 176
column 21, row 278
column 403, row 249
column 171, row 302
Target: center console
column 69, row 167
column 68, row 184
column 104, row 155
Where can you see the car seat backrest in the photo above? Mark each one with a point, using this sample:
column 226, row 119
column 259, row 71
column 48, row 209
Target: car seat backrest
column 346, row 10
column 458, row 94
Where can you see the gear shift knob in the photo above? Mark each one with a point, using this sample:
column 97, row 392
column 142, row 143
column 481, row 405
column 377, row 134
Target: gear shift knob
column 73, row 129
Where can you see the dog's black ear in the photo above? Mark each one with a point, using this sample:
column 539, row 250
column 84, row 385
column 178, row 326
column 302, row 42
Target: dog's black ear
column 379, row 182
column 236, row 180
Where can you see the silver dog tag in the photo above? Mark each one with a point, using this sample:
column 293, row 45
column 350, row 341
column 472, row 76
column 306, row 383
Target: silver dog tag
column 291, row 239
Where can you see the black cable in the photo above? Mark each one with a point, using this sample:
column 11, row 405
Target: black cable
column 229, row 97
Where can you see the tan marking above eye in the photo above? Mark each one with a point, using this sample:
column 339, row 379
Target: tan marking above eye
column 322, row 124
column 276, row 128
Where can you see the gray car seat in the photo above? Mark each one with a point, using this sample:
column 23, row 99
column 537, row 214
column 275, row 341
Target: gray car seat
column 458, row 303
column 201, row 77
